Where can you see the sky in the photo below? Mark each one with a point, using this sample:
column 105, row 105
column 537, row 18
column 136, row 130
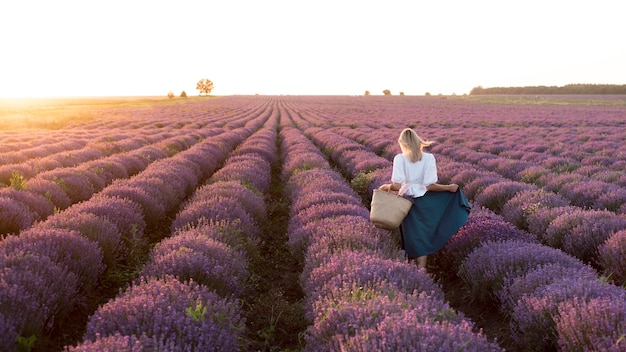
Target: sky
column 290, row 47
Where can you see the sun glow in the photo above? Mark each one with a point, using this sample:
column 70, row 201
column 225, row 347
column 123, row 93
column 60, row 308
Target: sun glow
column 145, row 48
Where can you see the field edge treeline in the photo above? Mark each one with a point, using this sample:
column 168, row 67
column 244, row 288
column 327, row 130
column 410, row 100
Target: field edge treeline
column 566, row 89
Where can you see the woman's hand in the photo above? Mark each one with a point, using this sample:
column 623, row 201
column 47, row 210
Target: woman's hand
column 453, row 187
column 385, row 187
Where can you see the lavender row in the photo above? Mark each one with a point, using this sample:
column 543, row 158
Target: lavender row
column 580, row 189
column 35, row 199
column 213, row 236
column 100, row 147
column 584, row 135
column 583, row 233
column 29, row 201
column 533, row 285
column 107, row 227
column 361, row 294
column 42, row 150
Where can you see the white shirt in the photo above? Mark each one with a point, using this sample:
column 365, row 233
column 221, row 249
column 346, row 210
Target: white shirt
column 414, row 177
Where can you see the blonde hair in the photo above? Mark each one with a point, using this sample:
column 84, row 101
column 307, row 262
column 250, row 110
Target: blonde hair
column 412, row 144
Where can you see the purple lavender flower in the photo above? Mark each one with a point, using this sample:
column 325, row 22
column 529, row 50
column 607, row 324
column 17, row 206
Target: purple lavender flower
column 35, row 292
column 316, row 197
column 539, row 220
column 478, row 185
column 152, row 210
column 516, row 287
column 363, row 309
column 518, row 208
column 124, row 213
column 249, row 200
column 107, row 170
column 14, row 216
column 355, row 267
column 215, row 209
column 74, row 182
column 554, row 183
column 612, row 257
column 158, row 189
column 401, row 333
column 497, row 194
column 65, row 247
column 331, row 236
column 128, row 343
column 93, row 227
column 250, row 170
column 477, row 230
column 601, row 329
column 533, row 319
column 50, row 190
column 228, row 232
column 486, row 268
column 182, row 314
column 580, row 232
column 190, row 255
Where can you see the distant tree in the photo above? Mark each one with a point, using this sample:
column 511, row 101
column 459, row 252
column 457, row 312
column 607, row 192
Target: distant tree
column 183, row 94
column 170, row 94
column 427, row 94
column 204, row 86
column 367, row 93
column 401, row 93
column 386, row 92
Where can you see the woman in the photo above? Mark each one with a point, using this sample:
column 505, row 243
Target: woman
column 438, row 211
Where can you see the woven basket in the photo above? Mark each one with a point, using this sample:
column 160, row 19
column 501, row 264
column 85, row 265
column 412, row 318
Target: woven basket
column 388, row 209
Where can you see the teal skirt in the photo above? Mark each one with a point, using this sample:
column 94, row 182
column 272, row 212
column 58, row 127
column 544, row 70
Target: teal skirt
column 431, row 222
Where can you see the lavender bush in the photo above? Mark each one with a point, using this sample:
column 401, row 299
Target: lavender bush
column 514, row 288
column 533, row 318
column 362, row 310
column 478, row 229
column 93, row 227
column 231, row 233
column 403, row 334
column 50, row 190
column 331, row 236
column 152, row 210
column 486, row 268
column 580, row 232
column 248, row 199
column 128, row 343
column 14, row 216
column 612, row 257
column 35, row 292
column 601, row 329
column 181, row 314
column 517, row 209
column 190, row 255
column 215, row 209
column 37, row 204
column 125, row 214
column 64, row 247
column 369, row 271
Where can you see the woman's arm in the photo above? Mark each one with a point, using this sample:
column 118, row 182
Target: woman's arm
column 436, row 187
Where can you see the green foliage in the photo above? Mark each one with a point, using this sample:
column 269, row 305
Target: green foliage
column 198, row 312
column 25, row 344
column 361, row 183
column 17, row 181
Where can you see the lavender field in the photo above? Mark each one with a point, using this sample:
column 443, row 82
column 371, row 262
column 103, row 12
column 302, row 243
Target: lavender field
column 241, row 223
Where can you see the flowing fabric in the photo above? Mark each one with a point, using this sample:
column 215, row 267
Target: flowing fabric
column 432, row 220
